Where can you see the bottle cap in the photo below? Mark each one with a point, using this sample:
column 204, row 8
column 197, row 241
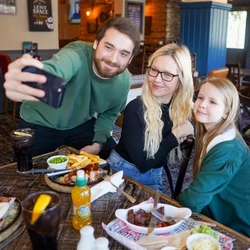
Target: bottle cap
column 80, row 178
column 101, row 242
column 87, row 230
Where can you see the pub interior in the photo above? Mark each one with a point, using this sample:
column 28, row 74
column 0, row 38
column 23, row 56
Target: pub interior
column 202, row 25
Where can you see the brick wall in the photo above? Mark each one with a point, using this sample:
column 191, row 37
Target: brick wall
column 165, row 24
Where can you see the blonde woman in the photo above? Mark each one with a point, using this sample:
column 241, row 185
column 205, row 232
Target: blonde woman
column 221, row 183
column 155, row 123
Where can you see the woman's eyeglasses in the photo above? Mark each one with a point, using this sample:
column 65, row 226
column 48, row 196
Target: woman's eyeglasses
column 165, row 76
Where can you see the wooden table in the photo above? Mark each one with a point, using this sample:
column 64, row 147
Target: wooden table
column 103, row 209
column 245, row 72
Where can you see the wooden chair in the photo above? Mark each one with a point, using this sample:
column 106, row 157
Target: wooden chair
column 218, row 73
column 235, row 77
column 136, row 67
column 245, row 131
column 186, row 148
column 5, row 60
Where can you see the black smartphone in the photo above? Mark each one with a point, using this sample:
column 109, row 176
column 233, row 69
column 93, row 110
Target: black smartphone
column 54, row 87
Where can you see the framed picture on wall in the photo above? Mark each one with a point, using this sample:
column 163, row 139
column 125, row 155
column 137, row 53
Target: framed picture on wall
column 7, row 7
column 74, row 15
column 40, row 15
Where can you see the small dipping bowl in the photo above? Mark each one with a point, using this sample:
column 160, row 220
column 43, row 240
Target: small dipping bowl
column 202, row 241
column 57, row 162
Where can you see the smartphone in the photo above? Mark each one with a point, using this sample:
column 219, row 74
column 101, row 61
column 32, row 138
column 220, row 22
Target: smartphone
column 54, row 87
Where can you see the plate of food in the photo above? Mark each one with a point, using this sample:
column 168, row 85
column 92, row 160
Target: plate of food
column 93, row 174
column 10, row 215
column 93, row 166
column 137, row 218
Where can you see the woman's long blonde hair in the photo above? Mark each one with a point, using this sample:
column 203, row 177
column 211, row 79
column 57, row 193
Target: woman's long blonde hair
column 204, row 137
column 181, row 102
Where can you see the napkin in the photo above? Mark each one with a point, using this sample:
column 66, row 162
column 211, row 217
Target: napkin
column 105, row 187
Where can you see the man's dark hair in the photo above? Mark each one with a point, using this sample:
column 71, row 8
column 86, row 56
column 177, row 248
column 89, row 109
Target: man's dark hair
column 123, row 25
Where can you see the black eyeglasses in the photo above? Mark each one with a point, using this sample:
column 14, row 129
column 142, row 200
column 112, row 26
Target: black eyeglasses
column 165, row 76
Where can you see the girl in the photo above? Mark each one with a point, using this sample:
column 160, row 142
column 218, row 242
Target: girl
column 155, row 123
column 221, row 186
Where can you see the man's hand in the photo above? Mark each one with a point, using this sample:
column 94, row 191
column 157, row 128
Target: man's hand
column 94, row 149
column 14, row 88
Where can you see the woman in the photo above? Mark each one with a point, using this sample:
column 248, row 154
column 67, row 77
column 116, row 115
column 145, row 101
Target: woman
column 221, row 183
column 155, row 123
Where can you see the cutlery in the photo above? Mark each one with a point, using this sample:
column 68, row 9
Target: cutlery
column 48, row 170
column 177, row 219
column 153, row 220
column 12, row 237
column 108, row 178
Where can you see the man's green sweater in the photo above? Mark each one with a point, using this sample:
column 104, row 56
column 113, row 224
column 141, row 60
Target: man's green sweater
column 86, row 94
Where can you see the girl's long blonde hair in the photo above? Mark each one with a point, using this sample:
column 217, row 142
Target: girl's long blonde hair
column 204, row 137
column 181, row 102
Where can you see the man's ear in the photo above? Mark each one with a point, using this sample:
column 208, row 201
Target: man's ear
column 95, row 44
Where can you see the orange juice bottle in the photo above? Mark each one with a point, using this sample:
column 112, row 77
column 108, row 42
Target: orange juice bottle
column 81, row 195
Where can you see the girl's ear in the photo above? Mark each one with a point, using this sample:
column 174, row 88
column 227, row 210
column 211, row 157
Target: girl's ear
column 225, row 116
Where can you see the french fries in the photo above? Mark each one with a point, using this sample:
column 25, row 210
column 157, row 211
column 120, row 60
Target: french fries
column 82, row 160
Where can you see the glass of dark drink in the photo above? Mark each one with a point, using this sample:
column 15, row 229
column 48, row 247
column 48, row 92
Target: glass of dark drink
column 23, row 141
column 42, row 220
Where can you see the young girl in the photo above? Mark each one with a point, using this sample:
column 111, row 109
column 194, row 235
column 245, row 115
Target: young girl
column 221, row 186
column 154, row 124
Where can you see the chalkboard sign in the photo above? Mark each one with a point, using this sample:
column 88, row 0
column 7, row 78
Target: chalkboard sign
column 40, row 15
column 135, row 12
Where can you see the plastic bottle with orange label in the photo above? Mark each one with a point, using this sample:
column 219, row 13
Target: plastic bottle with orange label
column 81, row 197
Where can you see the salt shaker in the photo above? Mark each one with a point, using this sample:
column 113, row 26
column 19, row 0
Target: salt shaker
column 101, row 243
column 87, row 240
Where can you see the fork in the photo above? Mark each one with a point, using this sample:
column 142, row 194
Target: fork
column 108, row 178
column 177, row 219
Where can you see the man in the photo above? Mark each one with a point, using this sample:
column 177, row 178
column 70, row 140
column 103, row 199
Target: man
column 98, row 84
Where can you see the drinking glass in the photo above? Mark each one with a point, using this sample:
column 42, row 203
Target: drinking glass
column 43, row 232
column 23, row 141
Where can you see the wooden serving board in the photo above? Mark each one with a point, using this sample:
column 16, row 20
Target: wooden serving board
column 12, row 228
column 56, row 186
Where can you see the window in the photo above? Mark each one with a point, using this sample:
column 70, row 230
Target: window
column 236, row 29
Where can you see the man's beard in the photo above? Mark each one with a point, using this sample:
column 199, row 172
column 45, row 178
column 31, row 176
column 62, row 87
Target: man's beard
column 102, row 72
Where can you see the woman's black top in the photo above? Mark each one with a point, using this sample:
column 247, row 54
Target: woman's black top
column 131, row 144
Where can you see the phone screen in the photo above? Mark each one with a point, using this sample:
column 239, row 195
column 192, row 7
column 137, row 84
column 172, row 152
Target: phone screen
column 54, row 87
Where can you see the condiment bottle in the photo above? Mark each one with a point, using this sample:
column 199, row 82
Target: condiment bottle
column 81, row 195
column 101, row 243
column 87, row 240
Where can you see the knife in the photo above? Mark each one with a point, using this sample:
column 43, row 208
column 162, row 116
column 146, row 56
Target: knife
column 153, row 220
column 12, row 237
column 48, row 170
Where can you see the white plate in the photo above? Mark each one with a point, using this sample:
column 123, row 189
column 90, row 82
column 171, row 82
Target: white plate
column 169, row 211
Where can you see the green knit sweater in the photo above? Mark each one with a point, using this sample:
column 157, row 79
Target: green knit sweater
column 221, row 189
column 86, row 94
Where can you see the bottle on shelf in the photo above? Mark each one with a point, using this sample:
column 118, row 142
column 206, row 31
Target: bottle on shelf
column 101, row 243
column 87, row 240
column 81, row 195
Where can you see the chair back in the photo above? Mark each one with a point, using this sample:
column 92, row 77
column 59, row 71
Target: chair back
column 186, row 148
column 234, row 74
column 245, row 131
column 5, row 60
column 136, row 67
column 245, row 102
column 218, row 73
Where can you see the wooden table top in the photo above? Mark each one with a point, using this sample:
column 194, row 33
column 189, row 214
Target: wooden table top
column 103, row 209
column 245, row 72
